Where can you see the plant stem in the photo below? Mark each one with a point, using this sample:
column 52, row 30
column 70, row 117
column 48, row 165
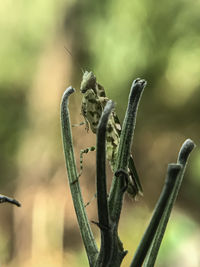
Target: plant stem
column 172, row 175
column 185, row 150
column 104, row 221
column 84, row 226
column 9, row 200
column 116, row 192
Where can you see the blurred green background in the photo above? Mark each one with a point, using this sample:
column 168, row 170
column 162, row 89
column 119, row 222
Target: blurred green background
column 119, row 41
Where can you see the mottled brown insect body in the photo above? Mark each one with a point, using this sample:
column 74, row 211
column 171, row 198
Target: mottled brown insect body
column 93, row 102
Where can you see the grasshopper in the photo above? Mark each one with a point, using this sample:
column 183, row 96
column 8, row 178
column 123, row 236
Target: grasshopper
column 93, row 102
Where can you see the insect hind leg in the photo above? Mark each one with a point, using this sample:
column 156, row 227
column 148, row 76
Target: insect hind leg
column 84, row 151
column 88, row 203
column 78, row 124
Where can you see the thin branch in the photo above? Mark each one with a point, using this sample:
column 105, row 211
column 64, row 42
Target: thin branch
column 104, row 222
column 101, row 163
column 185, row 150
column 129, row 122
column 9, row 200
column 116, row 196
column 86, row 232
column 172, row 175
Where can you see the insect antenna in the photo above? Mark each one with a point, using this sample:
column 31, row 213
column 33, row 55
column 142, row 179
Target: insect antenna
column 75, row 60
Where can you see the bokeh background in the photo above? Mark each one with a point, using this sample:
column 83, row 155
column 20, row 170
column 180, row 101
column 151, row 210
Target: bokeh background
column 119, row 41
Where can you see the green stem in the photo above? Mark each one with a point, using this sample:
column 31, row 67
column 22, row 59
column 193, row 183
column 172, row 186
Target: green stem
column 185, row 150
column 84, row 226
column 116, row 195
column 104, row 222
column 172, row 175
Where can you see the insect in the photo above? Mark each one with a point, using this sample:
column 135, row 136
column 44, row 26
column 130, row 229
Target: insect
column 93, row 102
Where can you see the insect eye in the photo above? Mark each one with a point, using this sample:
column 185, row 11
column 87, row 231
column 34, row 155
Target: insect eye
column 89, row 83
column 83, row 90
column 84, row 87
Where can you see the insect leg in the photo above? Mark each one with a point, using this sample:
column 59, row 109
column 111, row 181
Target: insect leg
column 78, row 124
column 84, row 151
column 88, row 203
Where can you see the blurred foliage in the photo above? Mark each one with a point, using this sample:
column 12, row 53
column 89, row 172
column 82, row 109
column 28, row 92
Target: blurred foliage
column 26, row 27
column 13, row 119
column 118, row 40
column 21, row 43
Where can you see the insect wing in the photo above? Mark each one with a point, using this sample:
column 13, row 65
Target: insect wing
column 135, row 176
